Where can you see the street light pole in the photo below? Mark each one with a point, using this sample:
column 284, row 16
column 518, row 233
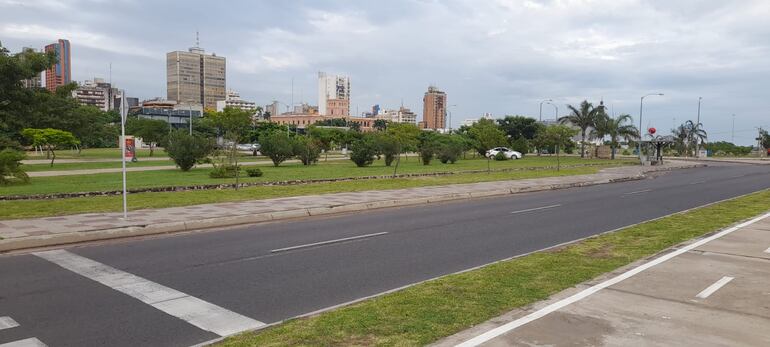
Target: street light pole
column 697, row 141
column 557, row 109
column 189, row 106
column 732, row 136
column 123, row 149
column 450, row 117
column 641, row 107
column 541, row 108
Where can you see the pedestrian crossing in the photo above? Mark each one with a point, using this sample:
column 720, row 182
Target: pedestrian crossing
column 9, row 323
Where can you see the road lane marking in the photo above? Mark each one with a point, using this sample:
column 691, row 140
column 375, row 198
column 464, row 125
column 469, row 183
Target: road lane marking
column 327, row 242
column 698, row 182
column 505, row 328
column 714, row 287
column 767, row 250
column 197, row 312
column 536, row 209
column 638, row 192
column 7, row 323
column 30, row 342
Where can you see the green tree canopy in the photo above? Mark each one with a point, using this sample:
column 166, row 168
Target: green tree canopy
column 152, row 131
column 50, row 139
column 485, row 135
column 583, row 117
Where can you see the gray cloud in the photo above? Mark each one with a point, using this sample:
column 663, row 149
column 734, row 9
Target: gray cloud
column 501, row 56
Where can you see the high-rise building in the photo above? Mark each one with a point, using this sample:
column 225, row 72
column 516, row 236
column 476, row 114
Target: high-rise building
column 333, row 95
column 233, row 99
column 61, row 73
column 195, row 77
column 434, row 109
column 93, row 94
column 34, row 82
column 402, row 115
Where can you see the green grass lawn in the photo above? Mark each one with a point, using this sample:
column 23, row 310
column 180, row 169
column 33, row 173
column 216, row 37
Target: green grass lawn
column 97, row 153
column 115, row 165
column 427, row 312
column 41, row 208
column 330, row 169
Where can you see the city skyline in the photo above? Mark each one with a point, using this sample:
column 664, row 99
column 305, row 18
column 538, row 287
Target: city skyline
column 500, row 58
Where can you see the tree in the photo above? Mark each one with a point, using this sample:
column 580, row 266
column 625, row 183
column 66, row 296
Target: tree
column 277, row 146
column 764, row 139
column 688, row 136
column 450, row 147
column 428, row 144
column 720, row 148
column 615, row 128
column 583, row 118
column 10, row 166
column 232, row 124
column 380, row 125
column 187, row 150
column 363, row 150
column 516, row 127
column 520, row 145
column 152, row 131
column 324, row 137
column 50, row 139
column 556, row 136
column 485, row 135
column 306, row 149
column 389, row 146
column 406, row 135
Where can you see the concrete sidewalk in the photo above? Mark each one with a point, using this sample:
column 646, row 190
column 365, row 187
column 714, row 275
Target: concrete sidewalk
column 39, row 232
column 714, row 294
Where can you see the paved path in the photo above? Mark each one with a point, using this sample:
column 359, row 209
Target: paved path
column 147, row 168
column 95, row 160
column 222, row 213
column 714, row 292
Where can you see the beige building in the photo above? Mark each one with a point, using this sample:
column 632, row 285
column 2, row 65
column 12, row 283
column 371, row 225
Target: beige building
column 434, row 109
column 333, row 95
column 233, row 99
column 195, row 77
column 402, row 115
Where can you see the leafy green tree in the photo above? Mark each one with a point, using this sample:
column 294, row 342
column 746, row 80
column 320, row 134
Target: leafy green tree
column 764, row 139
column 520, row 145
column 428, row 145
column 363, row 150
column 406, row 135
column 726, row 148
column 516, row 127
column 485, row 135
column 450, row 148
column 306, row 149
column 277, row 146
column 615, row 128
column 380, row 125
column 688, row 136
column 233, row 124
column 583, row 117
column 389, row 146
column 556, row 136
column 10, row 166
column 186, row 150
column 152, row 131
column 324, row 137
column 50, row 139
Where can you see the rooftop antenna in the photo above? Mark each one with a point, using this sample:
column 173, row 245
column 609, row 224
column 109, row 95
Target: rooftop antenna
column 197, row 39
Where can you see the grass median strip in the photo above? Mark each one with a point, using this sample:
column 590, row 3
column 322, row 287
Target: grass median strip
column 39, row 208
column 429, row 311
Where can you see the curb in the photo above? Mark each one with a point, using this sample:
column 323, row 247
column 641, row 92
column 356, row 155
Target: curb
column 22, row 243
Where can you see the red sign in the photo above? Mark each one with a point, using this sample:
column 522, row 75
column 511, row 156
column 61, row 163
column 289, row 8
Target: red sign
column 652, row 130
column 130, row 147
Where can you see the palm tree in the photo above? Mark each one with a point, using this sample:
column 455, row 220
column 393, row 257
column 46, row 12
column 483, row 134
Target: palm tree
column 688, row 136
column 583, row 118
column 615, row 128
column 696, row 135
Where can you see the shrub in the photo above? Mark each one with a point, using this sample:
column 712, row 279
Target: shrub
column 10, row 166
column 520, row 145
column 450, row 148
column 427, row 146
column 254, row 172
column 277, row 146
column 187, row 150
column 626, row 152
column 306, row 149
column 500, row 156
column 389, row 146
column 224, row 171
column 362, row 151
column 6, row 142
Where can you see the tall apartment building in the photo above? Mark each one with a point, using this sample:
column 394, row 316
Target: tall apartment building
column 34, row 82
column 61, row 73
column 98, row 93
column 195, row 77
column 233, row 99
column 434, row 109
column 402, row 115
column 333, row 95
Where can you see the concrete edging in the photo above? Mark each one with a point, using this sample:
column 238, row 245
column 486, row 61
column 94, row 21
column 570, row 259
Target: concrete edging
column 21, row 243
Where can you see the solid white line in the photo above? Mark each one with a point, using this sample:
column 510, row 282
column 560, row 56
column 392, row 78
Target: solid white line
column 491, row 334
column 327, row 242
column 536, row 209
column 7, row 323
column 698, row 182
column 767, row 250
column 30, row 342
column 638, row 192
column 714, row 287
column 195, row 311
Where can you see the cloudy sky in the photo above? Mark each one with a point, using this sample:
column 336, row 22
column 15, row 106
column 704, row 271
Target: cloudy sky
column 496, row 56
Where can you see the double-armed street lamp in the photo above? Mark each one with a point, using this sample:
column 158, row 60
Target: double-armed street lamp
column 541, row 107
column 556, row 107
column 641, row 107
column 450, row 117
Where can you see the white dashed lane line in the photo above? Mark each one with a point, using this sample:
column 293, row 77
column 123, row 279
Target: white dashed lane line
column 7, row 323
column 637, row 192
column 536, row 209
column 30, row 342
column 197, row 312
column 323, row 243
column 714, row 287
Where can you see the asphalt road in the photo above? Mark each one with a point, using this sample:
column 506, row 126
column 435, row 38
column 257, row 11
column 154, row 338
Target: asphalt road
column 257, row 272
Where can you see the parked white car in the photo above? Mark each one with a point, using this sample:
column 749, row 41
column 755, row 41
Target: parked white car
column 509, row 153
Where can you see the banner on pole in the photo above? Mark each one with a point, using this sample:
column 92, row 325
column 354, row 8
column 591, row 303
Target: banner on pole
column 130, row 147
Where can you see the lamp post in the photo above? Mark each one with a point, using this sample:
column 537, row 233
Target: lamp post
column 641, row 107
column 557, row 110
column 123, row 149
column 697, row 124
column 450, row 117
column 541, row 108
column 732, row 133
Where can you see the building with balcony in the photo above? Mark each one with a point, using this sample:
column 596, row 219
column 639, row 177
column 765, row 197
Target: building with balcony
column 195, row 77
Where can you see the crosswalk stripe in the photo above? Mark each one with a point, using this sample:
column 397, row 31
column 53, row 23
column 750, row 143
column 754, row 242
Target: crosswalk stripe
column 30, row 342
column 7, row 323
column 197, row 312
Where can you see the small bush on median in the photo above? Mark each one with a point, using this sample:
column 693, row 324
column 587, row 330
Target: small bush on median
column 224, row 171
column 306, row 149
column 186, row 150
column 362, row 151
column 10, row 167
column 500, row 156
column 277, row 146
column 254, row 172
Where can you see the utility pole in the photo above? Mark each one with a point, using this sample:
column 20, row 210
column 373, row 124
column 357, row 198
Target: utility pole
column 697, row 144
column 641, row 107
column 732, row 136
column 541, row 108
